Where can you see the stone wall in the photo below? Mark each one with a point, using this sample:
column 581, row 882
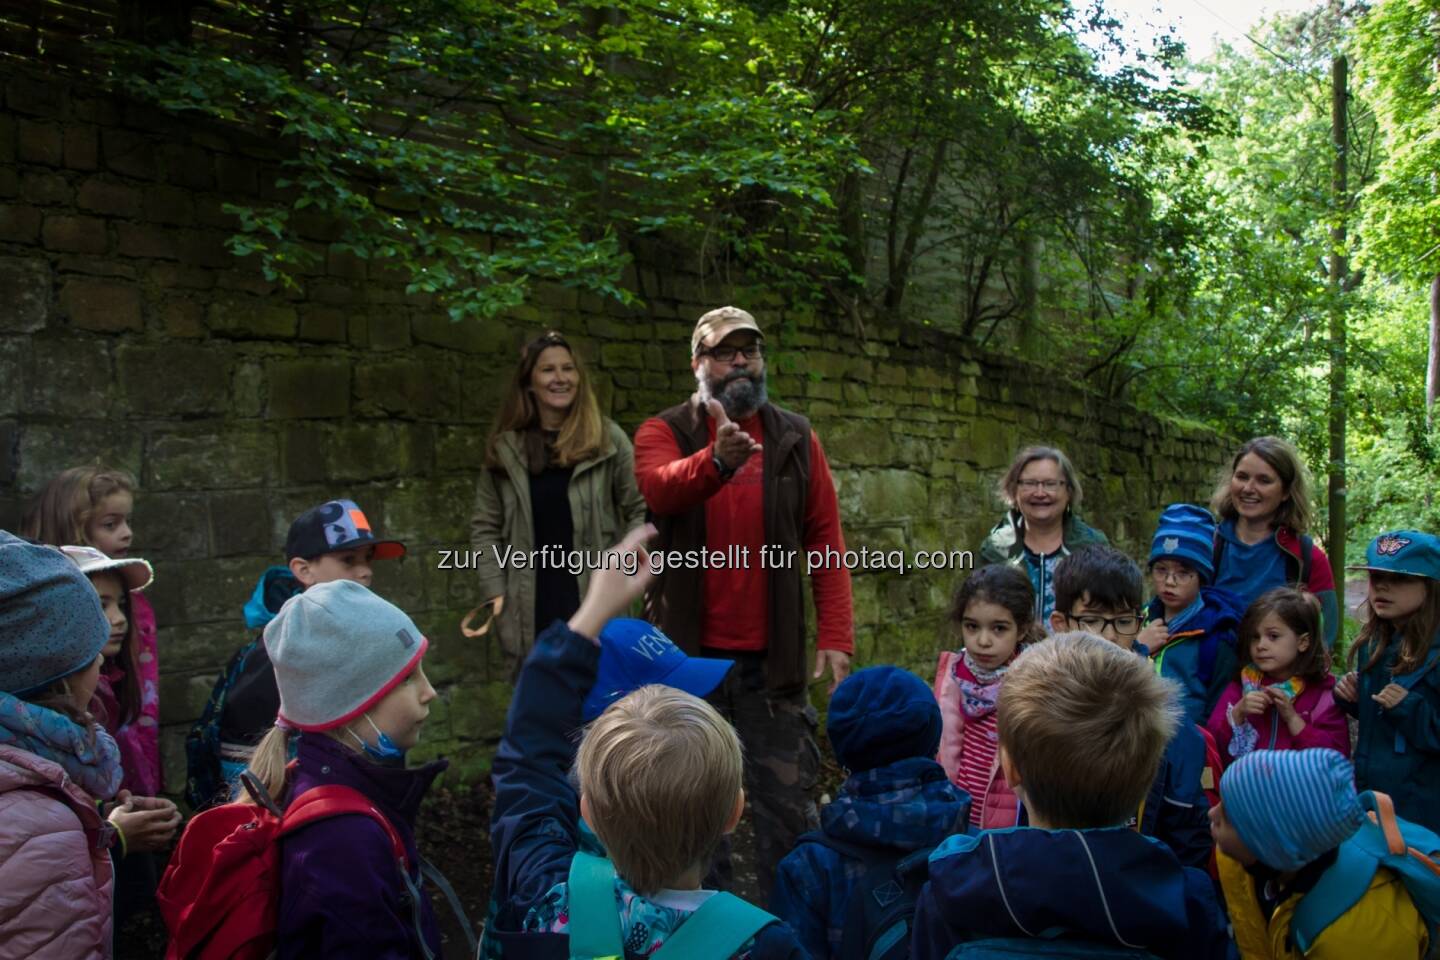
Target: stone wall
column 131, row 335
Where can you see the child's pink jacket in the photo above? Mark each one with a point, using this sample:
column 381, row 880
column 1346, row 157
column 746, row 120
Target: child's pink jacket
column 999, row 807
column 139, row 739
column 56, row 880
column 1325, row 725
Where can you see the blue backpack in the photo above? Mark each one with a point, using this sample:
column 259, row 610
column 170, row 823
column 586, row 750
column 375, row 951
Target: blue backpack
column 1010, row 948
column 716, row 931
column 1384, row 840
column 882, row 905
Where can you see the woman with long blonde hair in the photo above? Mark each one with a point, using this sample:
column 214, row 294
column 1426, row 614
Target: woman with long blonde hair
column 558, row 483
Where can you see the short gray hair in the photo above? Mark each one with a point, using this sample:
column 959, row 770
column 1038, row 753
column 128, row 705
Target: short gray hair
column 1011, row 481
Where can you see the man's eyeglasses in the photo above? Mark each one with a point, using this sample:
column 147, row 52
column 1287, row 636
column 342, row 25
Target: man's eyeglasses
column 1125, row 626
column 726, row 354
column 1049, row 486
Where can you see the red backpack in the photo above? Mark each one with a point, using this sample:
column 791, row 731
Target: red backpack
column 1210, row 783
column 219, row 896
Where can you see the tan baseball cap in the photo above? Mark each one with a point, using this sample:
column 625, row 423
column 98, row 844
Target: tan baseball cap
column 718, row 324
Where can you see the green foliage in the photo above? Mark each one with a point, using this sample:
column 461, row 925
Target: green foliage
column 475, row 146
column 1398, row 46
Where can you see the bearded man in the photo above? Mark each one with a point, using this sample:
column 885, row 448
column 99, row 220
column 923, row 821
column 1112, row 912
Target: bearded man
column 725, row 470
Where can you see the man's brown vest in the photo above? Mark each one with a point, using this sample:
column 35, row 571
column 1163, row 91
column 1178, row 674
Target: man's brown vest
column 676, row 601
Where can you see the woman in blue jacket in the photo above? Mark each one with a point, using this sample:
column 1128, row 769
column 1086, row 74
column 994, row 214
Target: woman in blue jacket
column 1262, row 541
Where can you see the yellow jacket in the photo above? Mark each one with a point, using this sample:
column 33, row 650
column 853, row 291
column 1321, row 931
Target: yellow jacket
column 1384, row 924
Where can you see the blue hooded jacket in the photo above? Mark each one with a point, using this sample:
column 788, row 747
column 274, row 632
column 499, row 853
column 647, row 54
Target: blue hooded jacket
column 1113, row 887
column 1201, row 653
column 1397, row 751
column 535, row 825
column 904, row 806
column 1176, row 811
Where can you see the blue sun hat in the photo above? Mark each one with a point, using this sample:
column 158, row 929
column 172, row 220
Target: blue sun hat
column 634, row 654
column 1410, row 552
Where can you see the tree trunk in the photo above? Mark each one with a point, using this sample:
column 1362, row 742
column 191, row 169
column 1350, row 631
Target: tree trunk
column 1432, row 366
column 1338, row 266
column 900, row 274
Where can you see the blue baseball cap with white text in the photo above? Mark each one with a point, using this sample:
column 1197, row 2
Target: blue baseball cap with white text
column 634, row 654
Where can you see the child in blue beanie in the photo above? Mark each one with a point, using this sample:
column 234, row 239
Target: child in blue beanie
column 1282, row 818
column 884, row 726
column 1190, row 625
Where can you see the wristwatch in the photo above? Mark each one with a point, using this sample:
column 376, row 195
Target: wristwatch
column 725, row 472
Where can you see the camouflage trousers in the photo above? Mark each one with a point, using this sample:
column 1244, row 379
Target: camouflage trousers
column 782, row 763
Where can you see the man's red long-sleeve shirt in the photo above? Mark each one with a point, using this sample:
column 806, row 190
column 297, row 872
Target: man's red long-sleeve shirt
column 737, row 600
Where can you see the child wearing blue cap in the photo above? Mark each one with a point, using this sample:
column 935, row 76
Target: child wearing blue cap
column 884, row 726
column 1190, row 625
column 1394, row 690
column 1282, row 820
column 657, row 781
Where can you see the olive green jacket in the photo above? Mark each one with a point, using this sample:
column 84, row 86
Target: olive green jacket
column 605, row 504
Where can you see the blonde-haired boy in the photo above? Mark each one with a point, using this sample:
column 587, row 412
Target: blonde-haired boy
column 1082, row 725
column 660, row 782
column 659, row 775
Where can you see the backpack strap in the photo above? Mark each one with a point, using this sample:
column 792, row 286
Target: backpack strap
column 1344, row 884
column 1338, row 889
column 1382, row 812
column 432, row 873
column 723, row 924
column 337, row 800
column 1307, row 553
column 594, row 919
column 866, row 854
column 1408, row 680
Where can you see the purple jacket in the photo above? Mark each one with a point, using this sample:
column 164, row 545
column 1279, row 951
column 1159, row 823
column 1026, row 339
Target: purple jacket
column 340, row 890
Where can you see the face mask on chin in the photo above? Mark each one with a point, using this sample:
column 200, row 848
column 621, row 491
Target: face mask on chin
column 384, row 749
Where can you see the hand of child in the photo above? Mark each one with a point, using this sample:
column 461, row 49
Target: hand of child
column 148, row 829
column 1391, row 695
column 1285, row 707
column 611, row 589
column 1346, row 688
column 1251, row 705
column 1154, row 636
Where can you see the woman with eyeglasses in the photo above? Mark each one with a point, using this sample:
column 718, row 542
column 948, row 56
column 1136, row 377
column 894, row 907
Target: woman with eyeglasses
column 1041, row 490
column 1264, row 507
column 558, row 486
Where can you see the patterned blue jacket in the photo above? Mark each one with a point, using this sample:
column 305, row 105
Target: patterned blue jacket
column 907, row 805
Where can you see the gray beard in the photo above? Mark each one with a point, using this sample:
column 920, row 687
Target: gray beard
column 740, row 393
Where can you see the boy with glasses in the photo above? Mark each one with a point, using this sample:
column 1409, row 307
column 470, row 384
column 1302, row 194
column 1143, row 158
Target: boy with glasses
column 1190, row 625
column 1098, row 590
